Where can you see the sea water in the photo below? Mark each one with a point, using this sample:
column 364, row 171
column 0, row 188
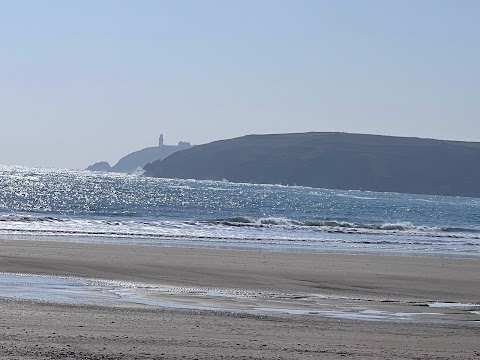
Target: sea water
column 84, row 206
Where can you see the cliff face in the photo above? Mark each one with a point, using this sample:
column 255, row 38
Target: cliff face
column 333, row 160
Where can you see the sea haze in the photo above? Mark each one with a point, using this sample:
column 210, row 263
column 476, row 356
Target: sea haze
column 84, row 206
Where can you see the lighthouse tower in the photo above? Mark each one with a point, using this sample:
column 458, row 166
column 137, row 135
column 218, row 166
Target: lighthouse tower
column 160, row 140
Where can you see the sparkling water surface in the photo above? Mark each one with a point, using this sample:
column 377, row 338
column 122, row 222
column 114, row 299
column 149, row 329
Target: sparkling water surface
column 68, row 205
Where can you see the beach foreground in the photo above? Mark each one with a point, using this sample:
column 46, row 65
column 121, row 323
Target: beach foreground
column 33, row 329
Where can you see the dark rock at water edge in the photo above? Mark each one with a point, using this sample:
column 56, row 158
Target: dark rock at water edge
column 335, row 161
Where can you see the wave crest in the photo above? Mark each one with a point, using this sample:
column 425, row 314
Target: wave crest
column 342, row 225
column 27, row 218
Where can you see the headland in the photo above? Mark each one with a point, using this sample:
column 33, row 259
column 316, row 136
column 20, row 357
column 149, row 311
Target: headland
column 334, row 161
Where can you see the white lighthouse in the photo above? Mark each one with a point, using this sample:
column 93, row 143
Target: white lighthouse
column 160, row 140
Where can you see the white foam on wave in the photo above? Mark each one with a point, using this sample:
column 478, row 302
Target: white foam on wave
column 452, row 305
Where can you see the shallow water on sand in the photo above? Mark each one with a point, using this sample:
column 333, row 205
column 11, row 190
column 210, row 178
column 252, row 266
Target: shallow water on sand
column 125, row 294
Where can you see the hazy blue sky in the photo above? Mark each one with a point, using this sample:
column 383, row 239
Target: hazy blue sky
column 84, row 81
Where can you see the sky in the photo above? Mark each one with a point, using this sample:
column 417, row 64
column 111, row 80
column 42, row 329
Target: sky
column 91, row 80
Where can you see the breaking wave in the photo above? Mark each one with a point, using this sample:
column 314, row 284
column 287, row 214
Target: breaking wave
column 339, row 225
column 241, row 232
column 27, row 218
column 216, row 228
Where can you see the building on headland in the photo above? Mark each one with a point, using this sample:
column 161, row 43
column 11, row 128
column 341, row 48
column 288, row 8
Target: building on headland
column 182, row 145
column 136, row 160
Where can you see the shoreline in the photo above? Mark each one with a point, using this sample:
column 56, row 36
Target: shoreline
column 204, row 245
column 53, row 330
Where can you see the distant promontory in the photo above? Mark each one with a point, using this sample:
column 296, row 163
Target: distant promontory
column 334, row 161
column 137, row 159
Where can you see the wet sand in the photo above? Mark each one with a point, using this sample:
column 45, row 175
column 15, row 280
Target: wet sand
column 32, row 329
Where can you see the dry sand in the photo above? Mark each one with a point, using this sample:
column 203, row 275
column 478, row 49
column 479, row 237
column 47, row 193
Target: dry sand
column 33, row 330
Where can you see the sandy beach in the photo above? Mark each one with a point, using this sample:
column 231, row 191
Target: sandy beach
column 34, row 329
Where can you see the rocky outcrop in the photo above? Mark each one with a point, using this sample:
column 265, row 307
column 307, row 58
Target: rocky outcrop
column 100, row 166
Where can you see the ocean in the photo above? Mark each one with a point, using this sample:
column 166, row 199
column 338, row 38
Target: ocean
column 84, row 206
